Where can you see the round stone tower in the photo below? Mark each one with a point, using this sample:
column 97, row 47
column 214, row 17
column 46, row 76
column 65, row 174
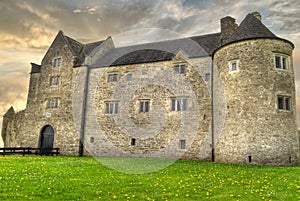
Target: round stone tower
column 256, row 69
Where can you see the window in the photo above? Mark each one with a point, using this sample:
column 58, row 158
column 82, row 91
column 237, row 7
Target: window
column 57, row 62
column 111, row 107
column 52, row 103
column 129, row 77
column 281, row 61
column 112, row 77
column 144, row 105
column 133, row 141
column 92, row 139
column 54, row 81
column 182, row 144
column 207, row 77
column 180, row 68
column 178, row 104
column 233, row 66
column 284, row 103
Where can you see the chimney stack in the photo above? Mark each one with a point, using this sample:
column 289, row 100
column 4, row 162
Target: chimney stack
column 257, row 15
column 228, row 26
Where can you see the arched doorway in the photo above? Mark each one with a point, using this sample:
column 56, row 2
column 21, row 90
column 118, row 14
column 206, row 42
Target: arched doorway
column 46, row 139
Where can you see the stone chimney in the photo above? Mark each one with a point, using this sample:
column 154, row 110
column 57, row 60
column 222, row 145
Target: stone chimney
column 228, row 26
column 257, row 15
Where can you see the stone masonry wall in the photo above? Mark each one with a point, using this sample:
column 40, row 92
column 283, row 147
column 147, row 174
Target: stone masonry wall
column 158, row 132
column 254, row 125
column 36, row 114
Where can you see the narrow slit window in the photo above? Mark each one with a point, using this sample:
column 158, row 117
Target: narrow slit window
column 133, row 142
column 182, row 144
column 233, row 66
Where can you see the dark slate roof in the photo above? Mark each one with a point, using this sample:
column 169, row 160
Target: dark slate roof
column 9, row 112
column 74, row 45
column 209, row 42
column 197, row 46
column 35, row 68
column 86, row 50
column 250, row 28
column 142, row 56
column 116, row 55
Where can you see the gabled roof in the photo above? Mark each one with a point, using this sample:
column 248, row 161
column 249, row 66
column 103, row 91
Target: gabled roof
column 9, row 112
column 74, row 45
column 251, row 27
column 35, row 68
column 86, row 50
column 103, row 53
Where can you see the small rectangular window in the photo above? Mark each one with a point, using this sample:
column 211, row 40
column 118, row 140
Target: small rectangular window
column 180, row 68
column 179, row 104
column 52, row 103
column 284, row 103
column 112, row 77
column 57, row 62
column 112, row 107
column 92, row 139
column 133, row 141
column 129, row 77
column 182, row 144
column 233, row 66
column 54, row 81
column 277, row 62
column 207, row 77
column 144, row 105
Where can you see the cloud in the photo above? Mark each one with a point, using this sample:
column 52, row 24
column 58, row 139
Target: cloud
column 285, row 15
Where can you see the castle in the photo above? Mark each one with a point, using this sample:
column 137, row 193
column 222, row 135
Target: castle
column 227, row 97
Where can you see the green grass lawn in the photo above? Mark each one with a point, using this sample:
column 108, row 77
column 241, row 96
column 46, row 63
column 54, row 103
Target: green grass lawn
column 75, row 178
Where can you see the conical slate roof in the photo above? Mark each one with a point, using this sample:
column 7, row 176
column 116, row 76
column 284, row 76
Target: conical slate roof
column 251, row 27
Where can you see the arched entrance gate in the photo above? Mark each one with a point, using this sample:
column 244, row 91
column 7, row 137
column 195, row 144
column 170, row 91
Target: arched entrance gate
column 46, row 139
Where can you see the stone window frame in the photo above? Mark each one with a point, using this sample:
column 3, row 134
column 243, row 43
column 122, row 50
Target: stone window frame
column 284, row 103
column 57, row 62
column 281, row 62
column 179, row 104
column 182, row 144
column 52, row 103
column 234, row 66
column 207, row 77
column 111, row 107
column 92, row 140
column 54, row 80
column 112, row 77
column 144, row 105
column 128, row 76
column 180, row 68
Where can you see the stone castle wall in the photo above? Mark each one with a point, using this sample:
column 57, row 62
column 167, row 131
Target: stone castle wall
column 37, row 115
column 158, row 132
column 255, row 129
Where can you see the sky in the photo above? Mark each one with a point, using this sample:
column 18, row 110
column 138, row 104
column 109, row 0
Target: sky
column 27, row 29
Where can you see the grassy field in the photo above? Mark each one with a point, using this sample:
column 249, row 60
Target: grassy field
column 74, row 178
